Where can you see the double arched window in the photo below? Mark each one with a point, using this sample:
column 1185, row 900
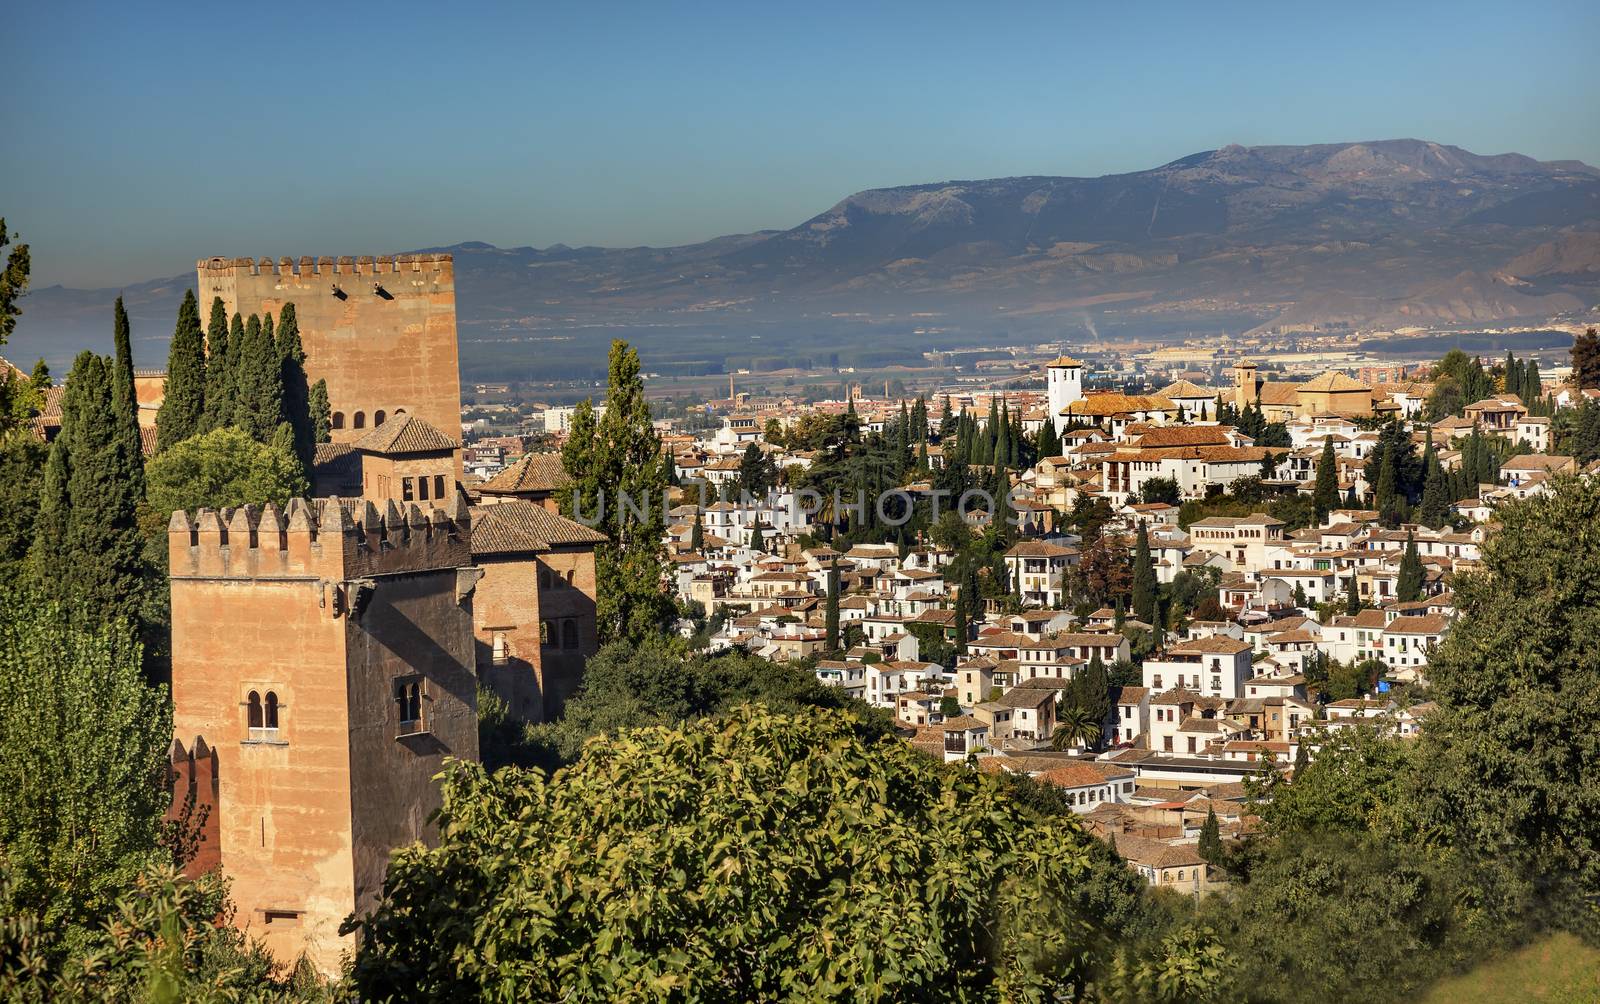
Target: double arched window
column 408, row 701
column 261, row 715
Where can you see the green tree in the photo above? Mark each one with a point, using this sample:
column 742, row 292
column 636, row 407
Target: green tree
column 1585, row 354
column 223, row 468
column 1512, row 762
column 1163, row 490
column 258, row 406
column 1090, row 692
column 13, row 282
column 124, row 399
column 183, row 407
column 1352, row 919
column 1144, row 578
column 223, row 344
column 83, row 752
column 831, row 611
column 22, row 461
column 620, row 458
column 1408, row 586
column 757, row 472
column 292, row 381
column 757, row 543
column 1075, row 726
column 1387, row 497
column 321, row 413
column 1211, row 839
column 1325, row 492
column 87, row 548
column 735, row 908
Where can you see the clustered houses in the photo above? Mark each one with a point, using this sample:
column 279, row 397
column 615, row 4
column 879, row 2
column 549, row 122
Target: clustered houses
column 1203, row 707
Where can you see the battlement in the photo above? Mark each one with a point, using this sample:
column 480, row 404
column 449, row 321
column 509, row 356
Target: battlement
column 308, row 266
column 328, row 539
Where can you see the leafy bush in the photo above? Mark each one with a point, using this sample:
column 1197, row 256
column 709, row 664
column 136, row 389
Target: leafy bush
column 757, row 857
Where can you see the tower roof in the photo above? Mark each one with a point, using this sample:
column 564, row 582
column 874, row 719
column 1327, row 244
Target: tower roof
column 517, row 526
column 535, row 472
column 1063, row 362
column 1332, row 381
column 405, row 434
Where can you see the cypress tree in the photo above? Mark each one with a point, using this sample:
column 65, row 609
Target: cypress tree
column 1002, row 440
column 259, row 402
column 1144, row 578
column 49, row 551
column 697, row 535
column 1352, row 598
column 1532, row 383
column 1435, row 507
column 1388, row 498
column 97, row 559
column 321, row 413
column 183, row 408
column 831, row 611
column 1210, row 846
column 1409, row 586
column 222, row 344
column 296, row 392
column 963, row 617
column 1325, row 493
column 125, row 401
column 756, row 541
column 1350, row 500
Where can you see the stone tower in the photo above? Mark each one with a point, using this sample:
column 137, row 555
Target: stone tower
column 323, row 656
column 381, row 331
column 1246, row 388
column 1063, row 385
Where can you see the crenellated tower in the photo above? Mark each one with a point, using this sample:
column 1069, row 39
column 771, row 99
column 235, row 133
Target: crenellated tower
column 323, row 658
column 380, row 330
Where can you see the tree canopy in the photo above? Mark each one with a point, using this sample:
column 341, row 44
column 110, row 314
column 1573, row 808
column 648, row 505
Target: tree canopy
column 762, row 856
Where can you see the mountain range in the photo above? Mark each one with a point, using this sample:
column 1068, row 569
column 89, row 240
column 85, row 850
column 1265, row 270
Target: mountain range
column 1387, row 233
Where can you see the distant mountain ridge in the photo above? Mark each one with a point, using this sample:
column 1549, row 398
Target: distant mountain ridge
column 1372, row 233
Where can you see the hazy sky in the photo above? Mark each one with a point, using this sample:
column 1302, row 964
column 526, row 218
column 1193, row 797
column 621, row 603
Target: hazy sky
column 135, row 138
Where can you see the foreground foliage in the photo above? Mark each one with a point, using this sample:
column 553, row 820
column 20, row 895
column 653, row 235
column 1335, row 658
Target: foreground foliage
column 655, row 683
column 91, row 907
column 759, row 856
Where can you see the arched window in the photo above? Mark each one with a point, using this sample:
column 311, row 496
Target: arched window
column 338, row 420
column 422, row 488
column 253, row 710
column 360, row 420
column 271, row 716
column 398, row 412
column 569, row 576
column 569, row 634
column 438, row 486
column 378, row 417
column 408, row 702
column 547, row 633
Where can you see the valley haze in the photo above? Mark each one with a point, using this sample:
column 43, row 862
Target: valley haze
column 1381, row 234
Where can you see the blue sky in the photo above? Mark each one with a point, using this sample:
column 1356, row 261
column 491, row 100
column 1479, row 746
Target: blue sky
column 138, row 137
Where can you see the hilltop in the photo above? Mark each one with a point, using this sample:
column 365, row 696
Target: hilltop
column 1372, row 233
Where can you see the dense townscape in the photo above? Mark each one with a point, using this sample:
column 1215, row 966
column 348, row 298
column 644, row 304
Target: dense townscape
column 1121, row 671
column 711, row 503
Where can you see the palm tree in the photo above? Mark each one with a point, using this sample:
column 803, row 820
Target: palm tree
column 1074, row 726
